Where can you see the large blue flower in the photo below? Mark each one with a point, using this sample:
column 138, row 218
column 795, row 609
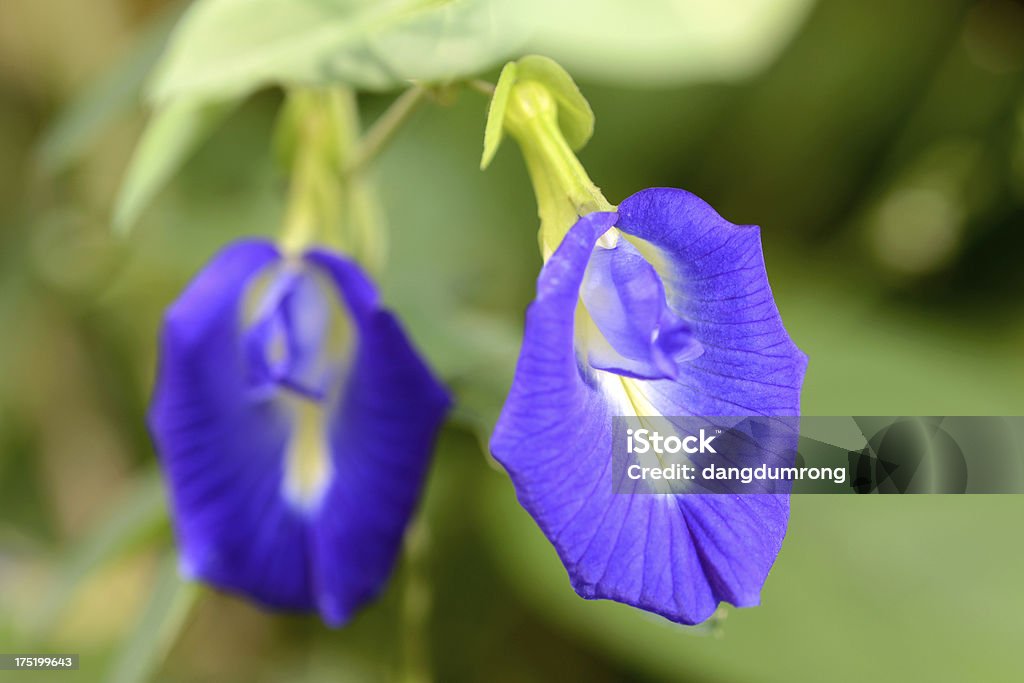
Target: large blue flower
column 669, row 314
column 294, row 423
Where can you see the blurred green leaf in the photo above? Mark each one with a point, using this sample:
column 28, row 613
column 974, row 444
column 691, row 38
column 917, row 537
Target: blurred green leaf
column 131, row 519
column 854, row 577
column 228, row 48
column 162, row 620
column 172, row 134
column 653, row 42
column 476, row 354
column 118, row 90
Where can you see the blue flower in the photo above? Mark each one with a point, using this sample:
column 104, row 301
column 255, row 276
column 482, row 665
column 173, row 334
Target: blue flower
column 669, row 314
column 294, row 423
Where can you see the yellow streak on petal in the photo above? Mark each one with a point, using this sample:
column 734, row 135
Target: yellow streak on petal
column 308, row 465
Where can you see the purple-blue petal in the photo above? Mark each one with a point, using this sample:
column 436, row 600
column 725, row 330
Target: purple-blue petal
column 675, row 555
column 221, row 450
column 222, row 419
column 715, row 278
column 640, row 336
column 285, row 341
column 381, row 434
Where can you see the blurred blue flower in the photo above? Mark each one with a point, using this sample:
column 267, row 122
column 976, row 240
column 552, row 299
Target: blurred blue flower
column 670, row 314
column 294, row 423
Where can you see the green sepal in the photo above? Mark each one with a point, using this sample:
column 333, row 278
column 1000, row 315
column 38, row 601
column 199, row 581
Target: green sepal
column 538, row 103
column 495, row 130
column 575, row 117
column 326, row 116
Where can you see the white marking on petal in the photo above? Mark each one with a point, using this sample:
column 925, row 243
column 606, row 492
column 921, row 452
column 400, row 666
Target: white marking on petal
column 609, row 239
column 627, row 399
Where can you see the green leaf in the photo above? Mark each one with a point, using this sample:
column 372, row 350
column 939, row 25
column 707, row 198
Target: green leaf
column 170, row 602
column 172, row 134
column 816, row 577
column 228, row 48
column 476, row 353
column 659, row 43
column 140, row 513
column 495, row 130
column 114, row 94
column 575, row 117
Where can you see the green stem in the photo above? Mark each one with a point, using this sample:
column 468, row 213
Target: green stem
column 331, row 199
column 320, row 129
column 483, row 87
column 385, row 128
column 415, row 606
column 301, row 223
column 562, row 186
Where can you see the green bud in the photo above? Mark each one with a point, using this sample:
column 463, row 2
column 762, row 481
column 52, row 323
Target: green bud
column 537, row 102
column 575, row 117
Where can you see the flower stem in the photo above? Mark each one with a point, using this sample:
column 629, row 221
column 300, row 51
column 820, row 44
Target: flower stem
column 562, row 186
column 385, row 128
column 481, row 86
column 318, row 130
column 331, row 199
column 415, row 607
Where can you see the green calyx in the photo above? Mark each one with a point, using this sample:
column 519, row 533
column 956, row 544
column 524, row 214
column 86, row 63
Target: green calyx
column 538, row 103
column 330, row 201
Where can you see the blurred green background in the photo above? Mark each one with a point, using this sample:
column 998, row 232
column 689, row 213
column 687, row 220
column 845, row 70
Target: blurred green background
column 880, row 145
